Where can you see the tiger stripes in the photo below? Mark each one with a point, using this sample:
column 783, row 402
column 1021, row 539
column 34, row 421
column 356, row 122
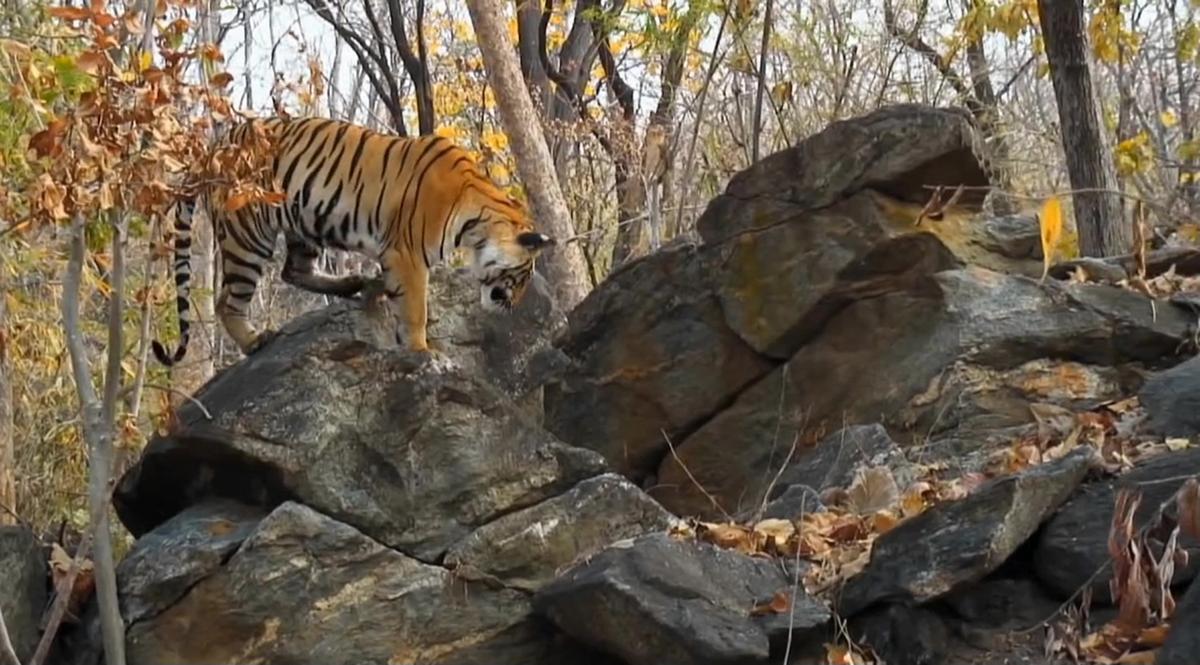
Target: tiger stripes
column 406, row 202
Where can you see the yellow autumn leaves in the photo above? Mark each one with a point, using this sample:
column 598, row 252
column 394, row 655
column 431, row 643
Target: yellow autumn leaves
column 1050, row 222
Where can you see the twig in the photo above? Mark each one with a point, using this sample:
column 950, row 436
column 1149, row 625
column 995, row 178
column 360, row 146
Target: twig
column 756, row 132
column 712, row 499
column 58, row 610
column 180, row 393
column 690, row 163
column 771, row 486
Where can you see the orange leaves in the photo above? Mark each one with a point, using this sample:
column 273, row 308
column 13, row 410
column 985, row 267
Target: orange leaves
column 1050, row 221
column 220, row 79
column 48, row 142
column 85, row 582
column 70, row 13
column 125, row 133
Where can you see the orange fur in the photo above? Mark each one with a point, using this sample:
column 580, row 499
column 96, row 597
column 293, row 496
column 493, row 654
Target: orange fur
column 406, row 202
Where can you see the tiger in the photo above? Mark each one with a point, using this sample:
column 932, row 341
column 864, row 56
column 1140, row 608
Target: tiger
column 406, row 202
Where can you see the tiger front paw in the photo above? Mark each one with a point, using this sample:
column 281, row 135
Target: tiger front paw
column 262, row 339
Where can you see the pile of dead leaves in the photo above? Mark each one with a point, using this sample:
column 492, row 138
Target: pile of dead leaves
column 837, row 540
column 1144, row 564
column 1111, row 428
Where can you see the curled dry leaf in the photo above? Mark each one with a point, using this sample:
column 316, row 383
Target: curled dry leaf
column 873, row 489
column 85, row 582
column 775, row 533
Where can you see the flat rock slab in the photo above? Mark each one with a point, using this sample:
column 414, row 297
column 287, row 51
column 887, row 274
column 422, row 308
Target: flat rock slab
column 165, row 563
column 22, row 587
column 962, row 541
column 526, row 549
column 896, row 149
column 1172, row 400
column 909, row 356
column 411, row 452
column 1074, row 544
column 650, row 352
column 306, row 588
column 663, row 601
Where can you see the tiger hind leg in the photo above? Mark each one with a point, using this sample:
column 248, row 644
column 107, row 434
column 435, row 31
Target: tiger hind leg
column 241, row 272
column 300, row 270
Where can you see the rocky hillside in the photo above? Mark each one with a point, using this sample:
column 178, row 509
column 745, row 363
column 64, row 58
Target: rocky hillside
column 821, row 434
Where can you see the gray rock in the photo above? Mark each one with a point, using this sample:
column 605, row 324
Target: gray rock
column 897, row 149
column 305, row 588
column 1172, row 400
column 904, row 635
column 962, row 541
column 1073, row 546
column 22, row 587
column 909, row 359
column 413, row 453
column 1013, row 236
column 666, row 341
column 1002, row 603
column 165, row 563
column 795, row 500
column 526, row 549
column 778, row 286
column 651, row 352
column 835, row 460
column 664, row 601
column 509, row 349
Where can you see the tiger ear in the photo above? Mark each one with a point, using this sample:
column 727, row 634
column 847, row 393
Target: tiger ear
column 534, row 242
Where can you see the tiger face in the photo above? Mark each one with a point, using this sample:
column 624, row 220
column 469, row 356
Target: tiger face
column 504, row 266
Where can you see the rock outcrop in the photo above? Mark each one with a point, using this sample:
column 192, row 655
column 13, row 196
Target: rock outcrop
column 22, row 587
column 356, row 504
column 813, row 303
column 335, row 499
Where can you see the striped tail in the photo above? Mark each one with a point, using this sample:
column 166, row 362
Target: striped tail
column 183, row 279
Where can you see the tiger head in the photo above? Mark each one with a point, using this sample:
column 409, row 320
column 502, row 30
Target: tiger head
column 504, row 255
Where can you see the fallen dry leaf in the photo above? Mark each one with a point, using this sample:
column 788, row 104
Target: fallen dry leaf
column 873, row 489
column 778, row 604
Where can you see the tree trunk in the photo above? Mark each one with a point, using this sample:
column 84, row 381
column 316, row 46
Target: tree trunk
column 97, row 418
column 8, row 489
column 1102, row 227
column 563, row 265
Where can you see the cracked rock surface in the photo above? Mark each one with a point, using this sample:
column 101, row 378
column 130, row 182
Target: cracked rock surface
column 334, row 499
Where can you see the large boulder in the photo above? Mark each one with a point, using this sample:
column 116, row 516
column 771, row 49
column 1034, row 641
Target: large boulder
column 814, row 302
column 668, row 340
column 22, row 587
column 414, row 454
column 900, row 150
column 960, row 542
column 332, row 497
column 305, row 588
column 675, row 602
column 1072, row 550
column 962, row 350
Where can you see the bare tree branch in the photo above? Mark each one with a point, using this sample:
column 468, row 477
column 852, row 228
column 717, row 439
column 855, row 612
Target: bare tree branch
column 762, row 81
